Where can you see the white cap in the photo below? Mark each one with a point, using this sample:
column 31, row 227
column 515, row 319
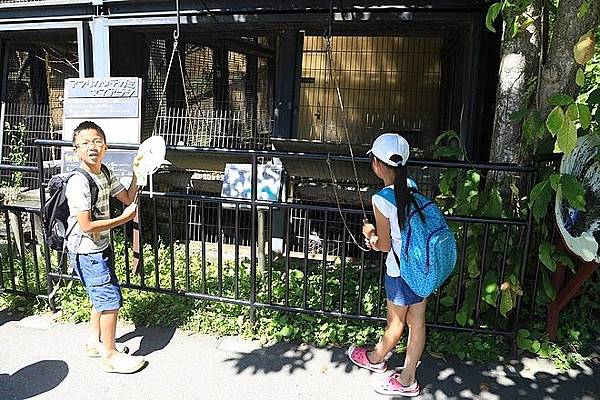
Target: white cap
column 387, row 145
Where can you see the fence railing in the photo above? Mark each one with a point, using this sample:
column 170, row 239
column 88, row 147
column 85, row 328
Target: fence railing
column 266, row 270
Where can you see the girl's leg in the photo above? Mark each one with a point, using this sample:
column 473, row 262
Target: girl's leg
column 396, row 316
column 415, row 319
column 94, row 337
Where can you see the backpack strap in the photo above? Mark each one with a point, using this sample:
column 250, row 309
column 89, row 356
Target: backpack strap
column 93, row 190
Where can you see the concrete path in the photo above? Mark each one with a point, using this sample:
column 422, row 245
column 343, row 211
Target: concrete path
column 42, row 359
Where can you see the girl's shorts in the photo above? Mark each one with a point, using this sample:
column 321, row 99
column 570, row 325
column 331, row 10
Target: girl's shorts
column 398, row 292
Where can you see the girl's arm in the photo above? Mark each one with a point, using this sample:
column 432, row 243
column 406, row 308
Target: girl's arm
column 379, row 238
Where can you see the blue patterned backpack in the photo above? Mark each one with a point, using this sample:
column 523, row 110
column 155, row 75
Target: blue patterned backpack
column 428, row 253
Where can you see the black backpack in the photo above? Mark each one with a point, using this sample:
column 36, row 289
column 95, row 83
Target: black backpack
column 56, row 209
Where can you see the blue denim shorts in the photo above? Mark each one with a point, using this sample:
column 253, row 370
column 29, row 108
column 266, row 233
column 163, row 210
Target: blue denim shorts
column 398, row 292
column 97, row 273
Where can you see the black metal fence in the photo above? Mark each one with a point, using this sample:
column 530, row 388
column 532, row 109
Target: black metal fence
column 267, row 271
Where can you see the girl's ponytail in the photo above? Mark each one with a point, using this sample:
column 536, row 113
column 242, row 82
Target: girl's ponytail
column 402, row 194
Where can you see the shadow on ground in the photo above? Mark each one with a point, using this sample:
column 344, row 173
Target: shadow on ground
column 153, row 339
column 33, row 380
column 452, row 378
column 273, row 358
column 7, row 316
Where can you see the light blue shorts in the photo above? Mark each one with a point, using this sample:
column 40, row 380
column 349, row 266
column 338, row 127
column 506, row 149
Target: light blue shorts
column 398, row 292
column 96, row 271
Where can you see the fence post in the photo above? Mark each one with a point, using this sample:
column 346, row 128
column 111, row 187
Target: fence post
column 253, row 240
column 524, row 261
column 49, row 284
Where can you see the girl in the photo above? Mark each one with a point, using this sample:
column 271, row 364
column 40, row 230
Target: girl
column 389, row 155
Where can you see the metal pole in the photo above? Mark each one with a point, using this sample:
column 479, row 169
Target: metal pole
column 49, row 284
column 253, row 242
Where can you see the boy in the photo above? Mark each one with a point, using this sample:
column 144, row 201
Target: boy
column 89, row 245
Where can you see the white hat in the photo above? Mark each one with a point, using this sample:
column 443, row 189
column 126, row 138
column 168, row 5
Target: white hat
column 387, row 145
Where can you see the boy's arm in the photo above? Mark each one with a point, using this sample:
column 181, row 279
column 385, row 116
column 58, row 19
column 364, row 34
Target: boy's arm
column 84, row 218
column 128, row 196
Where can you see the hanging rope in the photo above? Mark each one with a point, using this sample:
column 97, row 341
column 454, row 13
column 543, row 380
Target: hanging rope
column 333, row 77
column 136, row 228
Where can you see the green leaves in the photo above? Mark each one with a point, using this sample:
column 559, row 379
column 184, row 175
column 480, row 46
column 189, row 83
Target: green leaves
column 560, row 99
column 523, row 340
column 566, row 137
column 548, row 288
column 533, row 127
column 539, row 198
column 585, row 117
column 580, row 77
column 555, row 120
column 541, row 194
column 545, row 252
column 506, row 303
column 583, row 9
column 573, row 191
column 491, row 16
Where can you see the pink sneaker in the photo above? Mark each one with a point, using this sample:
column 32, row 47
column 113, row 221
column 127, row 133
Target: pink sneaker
column 390, row 386
column 358, row 355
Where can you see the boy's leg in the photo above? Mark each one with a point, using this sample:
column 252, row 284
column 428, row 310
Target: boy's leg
column 94, row 337
column 415, row 319
column 108, row 331
column 396, row 316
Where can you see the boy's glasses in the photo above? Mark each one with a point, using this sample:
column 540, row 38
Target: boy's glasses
column 93, row 143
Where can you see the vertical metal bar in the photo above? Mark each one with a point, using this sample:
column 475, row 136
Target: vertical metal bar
column 305, row 266
column 35, row 257
column 502, row 273
column 270, row 260
column 253, row 243
column 172, row 246
column 49, row 285
column 523, row 265
column 141, row 267
column 288, row 245
column 187, row 245
column 237, row 249
column 343, row 273
column 220, row 249
column 126, row 251
column 11, row 266
column 461, row 271
column 381, row 289
column 324, row 272
column 155, row 234
column 361, row 280
column 22, row 244
column 481, row 273
column 536, row 278
column 203, row 239
column 2, row 117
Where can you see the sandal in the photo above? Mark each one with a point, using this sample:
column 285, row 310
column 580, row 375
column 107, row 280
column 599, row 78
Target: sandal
column 123, row 363
column 392, row 387
column 358, row 355
column 94, row 351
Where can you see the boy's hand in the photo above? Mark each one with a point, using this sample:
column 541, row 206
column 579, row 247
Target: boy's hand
column 130, row 211
column 141, row 177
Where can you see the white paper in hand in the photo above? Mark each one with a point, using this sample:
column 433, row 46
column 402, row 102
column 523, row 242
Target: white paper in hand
column 149, row 158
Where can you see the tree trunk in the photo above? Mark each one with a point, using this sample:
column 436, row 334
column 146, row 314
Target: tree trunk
column 518, row 69
column 558, row 74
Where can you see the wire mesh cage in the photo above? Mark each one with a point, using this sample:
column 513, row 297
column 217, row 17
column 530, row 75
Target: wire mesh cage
column 33, row 104
column 222, row 98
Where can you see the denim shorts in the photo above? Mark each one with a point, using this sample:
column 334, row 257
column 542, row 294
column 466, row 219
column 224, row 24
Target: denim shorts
column 398, row 292
column 97, row 273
